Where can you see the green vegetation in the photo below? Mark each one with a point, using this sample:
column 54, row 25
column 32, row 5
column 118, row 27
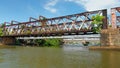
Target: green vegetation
column 97, row 23
column 23, row 26
column 28, row 32
column 48, row 42
column 1, row 32
column 1, row 29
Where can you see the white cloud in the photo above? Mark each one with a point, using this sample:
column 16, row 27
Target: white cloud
column 50, row 6
column 91, row 5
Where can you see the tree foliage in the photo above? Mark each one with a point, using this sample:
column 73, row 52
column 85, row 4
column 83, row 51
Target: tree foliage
column 1, row 29
column 48, row 42
column 97, row 23
column 52, row 42
column 1, row 32
column 39, row 42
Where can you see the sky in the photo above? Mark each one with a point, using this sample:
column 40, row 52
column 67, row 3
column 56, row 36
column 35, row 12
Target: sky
column 21, row 10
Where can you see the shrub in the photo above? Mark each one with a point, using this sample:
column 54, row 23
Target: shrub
column 1, row 32
column 48, row 42
column 97, row 23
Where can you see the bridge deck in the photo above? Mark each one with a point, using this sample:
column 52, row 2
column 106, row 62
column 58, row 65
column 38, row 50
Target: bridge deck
column 55, row 33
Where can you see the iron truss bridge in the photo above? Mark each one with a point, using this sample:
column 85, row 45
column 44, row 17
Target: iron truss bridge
column 76, row 24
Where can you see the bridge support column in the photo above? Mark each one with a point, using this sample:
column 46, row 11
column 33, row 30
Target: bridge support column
column 8, row 40
column 110, row 37
column 105, row 23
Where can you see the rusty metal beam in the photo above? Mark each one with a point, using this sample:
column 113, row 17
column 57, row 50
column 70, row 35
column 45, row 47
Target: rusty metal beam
column 31, row 18
column 105, row 23
column 14, row 22
column 77, row 22
column 61, row 17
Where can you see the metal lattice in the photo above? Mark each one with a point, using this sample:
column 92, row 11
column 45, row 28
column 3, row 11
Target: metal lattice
column 75, row 23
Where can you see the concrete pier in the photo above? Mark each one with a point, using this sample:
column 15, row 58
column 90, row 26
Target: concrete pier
column 110, row 37
column 110, row 40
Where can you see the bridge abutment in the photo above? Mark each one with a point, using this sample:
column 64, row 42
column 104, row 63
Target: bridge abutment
column 110, row 37
column 8, row 40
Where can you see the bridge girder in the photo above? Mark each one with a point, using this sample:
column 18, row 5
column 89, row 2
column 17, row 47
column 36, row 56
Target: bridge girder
column 75, row 23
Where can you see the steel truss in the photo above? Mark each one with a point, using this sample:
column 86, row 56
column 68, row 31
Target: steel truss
column 75, row 23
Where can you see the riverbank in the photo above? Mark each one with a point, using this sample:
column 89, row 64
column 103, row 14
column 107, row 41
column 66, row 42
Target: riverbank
column 104, row 48
column 6, row 46
column 37, row 42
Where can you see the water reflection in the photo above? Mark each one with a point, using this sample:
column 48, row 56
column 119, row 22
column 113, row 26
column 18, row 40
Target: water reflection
column 111, row 59
column 66, row 57
column 75, row 47
column 1, row 59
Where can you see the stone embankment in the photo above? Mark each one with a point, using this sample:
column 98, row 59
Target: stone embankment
column 110, row 40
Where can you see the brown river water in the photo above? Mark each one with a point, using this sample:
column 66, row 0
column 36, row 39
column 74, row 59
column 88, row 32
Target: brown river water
column 66, row 57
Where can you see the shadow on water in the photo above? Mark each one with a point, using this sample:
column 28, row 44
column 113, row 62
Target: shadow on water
column 80, row 46
column 75, row 47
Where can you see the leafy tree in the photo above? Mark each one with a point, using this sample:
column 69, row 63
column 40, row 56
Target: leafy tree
column 1, row 32
column 97, row 23
column 1, row 29
column 52, row 42
column 48, row 42
column 39, row 42
column 23, row 26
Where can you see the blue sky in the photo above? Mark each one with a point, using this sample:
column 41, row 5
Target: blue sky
column 21, row 10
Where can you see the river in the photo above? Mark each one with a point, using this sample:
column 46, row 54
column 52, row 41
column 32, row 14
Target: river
column 66, row 57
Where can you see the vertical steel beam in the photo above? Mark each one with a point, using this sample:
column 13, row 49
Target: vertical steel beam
column 105, row 23
column 113, row 18
column 4, row 25
column 31, row 18
column 4, row 28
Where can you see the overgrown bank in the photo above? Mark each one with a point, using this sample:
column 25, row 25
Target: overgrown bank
column 49, row 42
column 41, row 42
